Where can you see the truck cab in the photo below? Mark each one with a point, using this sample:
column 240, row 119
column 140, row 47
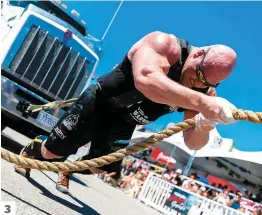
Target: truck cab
column 47, row 55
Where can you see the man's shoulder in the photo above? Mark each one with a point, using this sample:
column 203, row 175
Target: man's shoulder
column 161, row 36
column 162, row 41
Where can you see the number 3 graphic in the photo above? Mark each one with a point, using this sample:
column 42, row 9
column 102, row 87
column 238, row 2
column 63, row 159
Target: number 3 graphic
column 8, row 209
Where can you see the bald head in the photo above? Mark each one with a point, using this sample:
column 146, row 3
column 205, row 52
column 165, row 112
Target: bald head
column 219, row 62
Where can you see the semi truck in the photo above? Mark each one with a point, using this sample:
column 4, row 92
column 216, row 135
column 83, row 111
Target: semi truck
column 47, row 54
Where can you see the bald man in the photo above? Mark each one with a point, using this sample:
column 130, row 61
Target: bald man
column 160, row 74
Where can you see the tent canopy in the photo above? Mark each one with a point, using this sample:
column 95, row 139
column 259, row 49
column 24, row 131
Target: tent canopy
column 246, row 164
column 216, row 147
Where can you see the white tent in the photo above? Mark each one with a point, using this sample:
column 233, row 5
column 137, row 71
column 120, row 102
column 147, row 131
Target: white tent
column 216, row 147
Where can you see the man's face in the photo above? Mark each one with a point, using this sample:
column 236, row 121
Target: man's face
column 189, row 79
column 197, row 77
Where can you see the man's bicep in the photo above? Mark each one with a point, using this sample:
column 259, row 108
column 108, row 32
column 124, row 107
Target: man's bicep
column 148, row 66
column 147, row 60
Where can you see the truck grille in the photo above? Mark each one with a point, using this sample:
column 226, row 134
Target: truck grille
column 49, row 65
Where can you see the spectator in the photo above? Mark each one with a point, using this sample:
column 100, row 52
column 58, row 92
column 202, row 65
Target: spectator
column 225, row 187
column 204, row 179
column 201, row 191
column 214, row 184
column 176, row 178
column 187, row 184
column 108, row 178
column 212, row 194
column 126, row 180
column 135, row 184
column 166, row 176
column 242, row 209
column 222, row 198
column 138, row 169
column 195, row 188
column 235, row 202
column 206, row 194
column 127, row 167
column 219, row 186
column 138, row 183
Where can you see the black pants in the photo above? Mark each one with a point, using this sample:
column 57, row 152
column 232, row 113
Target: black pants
column 90, row 119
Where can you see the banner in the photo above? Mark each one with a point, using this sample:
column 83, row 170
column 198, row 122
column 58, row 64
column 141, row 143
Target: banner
column 163, row 157
column 250, row 205
column 181, row 201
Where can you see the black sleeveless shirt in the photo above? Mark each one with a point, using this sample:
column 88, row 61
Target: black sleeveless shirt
column 119, row 90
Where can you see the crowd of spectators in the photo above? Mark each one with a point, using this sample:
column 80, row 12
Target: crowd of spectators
column 200, row 186
column 134, row 174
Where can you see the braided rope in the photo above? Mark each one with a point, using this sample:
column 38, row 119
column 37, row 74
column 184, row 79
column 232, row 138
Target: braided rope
column 51, row 105
column 120, row 154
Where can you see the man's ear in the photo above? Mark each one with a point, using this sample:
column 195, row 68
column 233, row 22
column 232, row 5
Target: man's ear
column 212, row 92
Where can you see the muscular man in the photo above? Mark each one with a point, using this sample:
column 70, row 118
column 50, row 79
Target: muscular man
column 160, row 74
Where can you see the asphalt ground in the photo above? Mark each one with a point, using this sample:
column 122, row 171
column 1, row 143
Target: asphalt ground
column 38, row 195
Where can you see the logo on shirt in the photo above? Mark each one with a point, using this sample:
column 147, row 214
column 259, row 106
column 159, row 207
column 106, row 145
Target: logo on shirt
column 59, row 133
column 139, row 116
column 70, row 121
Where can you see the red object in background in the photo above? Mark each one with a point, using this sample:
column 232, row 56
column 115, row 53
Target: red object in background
column 250, row 205
column 214, row 179
column 162, row 157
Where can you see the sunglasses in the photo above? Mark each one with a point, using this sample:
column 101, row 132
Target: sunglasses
column 201, row 75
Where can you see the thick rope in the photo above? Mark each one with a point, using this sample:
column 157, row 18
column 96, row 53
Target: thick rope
column 120, row 154
column 51, row 105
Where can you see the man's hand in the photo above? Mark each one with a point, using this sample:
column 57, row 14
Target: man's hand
column 217, row 109
column 203, row 124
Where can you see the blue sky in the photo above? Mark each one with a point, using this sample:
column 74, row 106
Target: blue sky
column 236, row 24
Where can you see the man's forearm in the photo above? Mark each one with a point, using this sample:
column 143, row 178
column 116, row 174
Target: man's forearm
column 161, row 89
column 183, row 96
column 195, row 140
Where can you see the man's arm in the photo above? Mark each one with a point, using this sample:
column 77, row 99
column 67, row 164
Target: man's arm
column 195, row 140
column 151, row 63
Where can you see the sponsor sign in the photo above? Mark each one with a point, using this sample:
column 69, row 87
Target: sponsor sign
column 163, row 157
column 181, row 201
